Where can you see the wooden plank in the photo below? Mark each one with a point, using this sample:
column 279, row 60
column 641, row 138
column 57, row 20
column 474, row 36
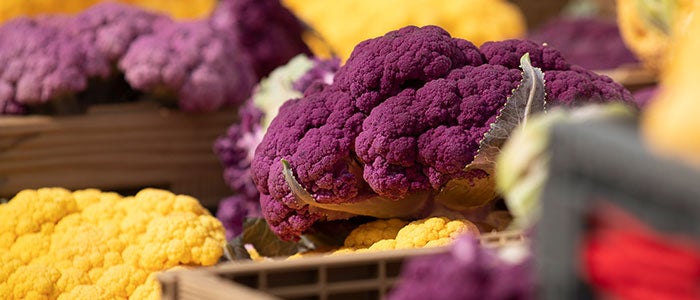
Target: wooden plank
column 115, row 147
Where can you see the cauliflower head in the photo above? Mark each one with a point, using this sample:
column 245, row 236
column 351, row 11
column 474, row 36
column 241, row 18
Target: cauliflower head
column 195, row 62
column 90, row 244
column 402, row 117
column 345, row 23
column 266, row 30
column 113, row 26
column 398, row 234
column 43, row 63
column 393, row 234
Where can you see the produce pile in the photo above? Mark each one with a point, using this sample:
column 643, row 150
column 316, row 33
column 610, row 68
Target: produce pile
column 421, row 130
column 117, row 52
column 90, row 244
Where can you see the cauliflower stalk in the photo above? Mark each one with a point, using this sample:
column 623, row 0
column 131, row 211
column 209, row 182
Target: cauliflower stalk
column 89, row 244
column 400, row 122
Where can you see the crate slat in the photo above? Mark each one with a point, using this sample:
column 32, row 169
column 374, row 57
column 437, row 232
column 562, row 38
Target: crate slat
column 357, row 276
column 113, row 147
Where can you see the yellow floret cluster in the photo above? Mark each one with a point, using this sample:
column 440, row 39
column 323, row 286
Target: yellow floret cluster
column 391, row 234
column 90, row 244
column 345, row 23
column 178, row 9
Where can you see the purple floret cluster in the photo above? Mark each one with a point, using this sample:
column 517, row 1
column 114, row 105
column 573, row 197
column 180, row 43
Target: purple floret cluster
column 236, row 150
column 469, row 271
column 200, row 65
column 404, row 115
column 265, row 28
column 41, row 62
column 592, row 43
column 112, row 27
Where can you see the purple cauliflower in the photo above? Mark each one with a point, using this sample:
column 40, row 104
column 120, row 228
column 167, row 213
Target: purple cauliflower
column 192, row 62
column 42, row 62
column 592, row 43
column 112, row 27
column 131, row 53
column 469, row 271
column 265, row 28
column 236, row 148
column 403, row 117
column 233, row 211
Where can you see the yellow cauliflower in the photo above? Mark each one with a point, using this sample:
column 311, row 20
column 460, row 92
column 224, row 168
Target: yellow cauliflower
column 369, row 233
column 179, row 9
column 648, row 26
column 396, row 234
column 94, row 245
column 345, row 23
column 433, row 232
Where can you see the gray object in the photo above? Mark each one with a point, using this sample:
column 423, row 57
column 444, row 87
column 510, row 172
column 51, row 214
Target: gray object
column 595, row 161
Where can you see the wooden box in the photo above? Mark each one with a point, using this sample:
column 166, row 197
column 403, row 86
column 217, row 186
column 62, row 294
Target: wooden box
column 122, row 147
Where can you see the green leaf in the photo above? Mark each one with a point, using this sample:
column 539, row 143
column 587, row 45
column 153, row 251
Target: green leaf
column 479, row 188
column 257, row 233
column 372, row 205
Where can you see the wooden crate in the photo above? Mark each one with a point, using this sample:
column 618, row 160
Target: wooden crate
column 359, row 276
column 121, row 147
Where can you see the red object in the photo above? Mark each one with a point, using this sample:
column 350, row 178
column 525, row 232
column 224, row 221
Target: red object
column 627, row 260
